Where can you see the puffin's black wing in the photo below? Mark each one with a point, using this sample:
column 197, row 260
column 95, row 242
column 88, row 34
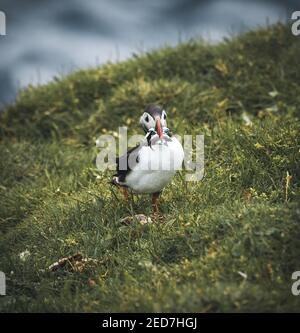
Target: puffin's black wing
column 123, row 168
column 123, row 165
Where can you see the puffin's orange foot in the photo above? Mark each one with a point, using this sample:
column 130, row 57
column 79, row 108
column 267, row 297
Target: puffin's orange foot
column 157, row 217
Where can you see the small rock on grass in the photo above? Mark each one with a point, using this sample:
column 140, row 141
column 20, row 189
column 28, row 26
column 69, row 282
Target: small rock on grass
column 140, row 218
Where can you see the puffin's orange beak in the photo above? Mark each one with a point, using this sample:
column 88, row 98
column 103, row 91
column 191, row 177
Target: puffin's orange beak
column 158, row 128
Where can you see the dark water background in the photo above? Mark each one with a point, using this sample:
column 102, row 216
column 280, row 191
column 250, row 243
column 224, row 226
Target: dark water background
column 47, row 38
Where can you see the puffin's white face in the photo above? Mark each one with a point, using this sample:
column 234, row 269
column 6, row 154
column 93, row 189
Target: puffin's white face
column 147, row 121
column 163, row 119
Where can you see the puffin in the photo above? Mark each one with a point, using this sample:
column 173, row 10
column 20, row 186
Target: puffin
column 150, row 166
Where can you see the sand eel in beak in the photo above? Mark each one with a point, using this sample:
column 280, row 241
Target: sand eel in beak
column 150, row 166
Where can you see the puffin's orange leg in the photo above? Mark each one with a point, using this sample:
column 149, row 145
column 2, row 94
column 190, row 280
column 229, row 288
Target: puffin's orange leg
column 125, row 193
column 155, row 197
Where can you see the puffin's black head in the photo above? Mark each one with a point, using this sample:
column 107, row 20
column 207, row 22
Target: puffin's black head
column 154, row 117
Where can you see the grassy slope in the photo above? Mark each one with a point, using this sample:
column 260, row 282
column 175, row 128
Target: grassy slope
column 242, row 218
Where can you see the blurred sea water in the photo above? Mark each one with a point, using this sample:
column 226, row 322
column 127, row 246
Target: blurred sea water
column 53, row 38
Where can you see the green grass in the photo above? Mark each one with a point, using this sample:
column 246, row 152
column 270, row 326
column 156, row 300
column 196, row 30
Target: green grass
column 228, row 243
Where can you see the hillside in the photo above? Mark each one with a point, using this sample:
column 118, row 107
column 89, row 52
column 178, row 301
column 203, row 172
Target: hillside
column 228, row 243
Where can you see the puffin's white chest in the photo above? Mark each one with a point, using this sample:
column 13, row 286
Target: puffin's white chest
column 157, row 166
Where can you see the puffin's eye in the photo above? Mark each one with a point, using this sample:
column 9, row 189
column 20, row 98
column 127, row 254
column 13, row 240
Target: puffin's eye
column 165, row 116
column 147, row 119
